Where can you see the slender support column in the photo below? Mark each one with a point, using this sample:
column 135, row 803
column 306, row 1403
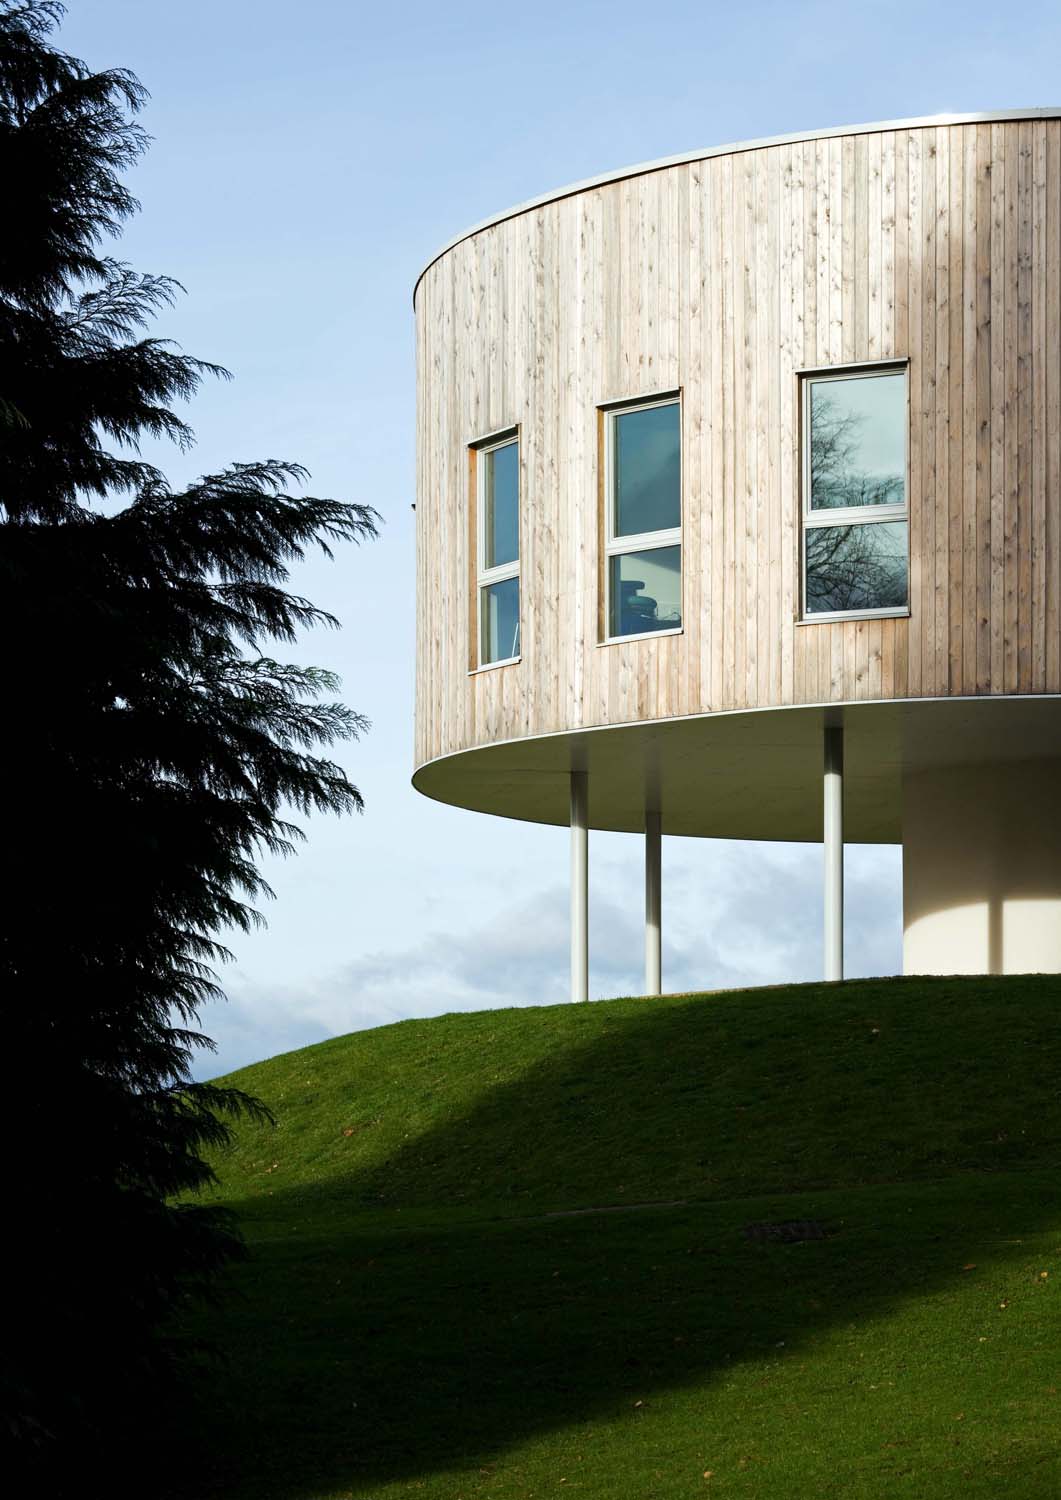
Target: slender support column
column 579, row 886
column 653, row 904
column 833, row 825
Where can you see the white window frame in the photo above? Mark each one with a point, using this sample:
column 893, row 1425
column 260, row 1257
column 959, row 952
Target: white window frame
column 851, row 515
column 485, row 576
column 642, row 541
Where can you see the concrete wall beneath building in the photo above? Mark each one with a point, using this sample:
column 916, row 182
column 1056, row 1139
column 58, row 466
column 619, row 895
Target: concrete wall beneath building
column 982, row 869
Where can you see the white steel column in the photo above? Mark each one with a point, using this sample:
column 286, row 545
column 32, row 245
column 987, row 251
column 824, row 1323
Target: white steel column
column 653, row 903
column 833, row 836
column 579, row 886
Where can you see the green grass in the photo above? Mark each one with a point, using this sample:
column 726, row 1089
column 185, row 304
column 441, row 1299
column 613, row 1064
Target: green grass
column 423, row 1316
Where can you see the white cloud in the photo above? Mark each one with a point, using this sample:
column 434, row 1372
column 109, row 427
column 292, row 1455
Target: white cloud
column 734, row 914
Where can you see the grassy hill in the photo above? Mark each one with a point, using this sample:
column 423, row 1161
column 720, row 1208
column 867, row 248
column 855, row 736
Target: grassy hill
column 514, row 1254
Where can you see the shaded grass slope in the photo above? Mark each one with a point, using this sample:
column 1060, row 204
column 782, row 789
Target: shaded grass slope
column 436, row 1306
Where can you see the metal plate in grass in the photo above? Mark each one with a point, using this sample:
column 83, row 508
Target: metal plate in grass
column 787, row 1232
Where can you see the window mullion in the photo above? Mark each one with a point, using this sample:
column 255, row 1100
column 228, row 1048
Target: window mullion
column 644, row 541
column 499, row 574
column 852, row 516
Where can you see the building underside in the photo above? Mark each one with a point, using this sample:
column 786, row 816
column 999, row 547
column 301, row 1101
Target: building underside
column 971, row 788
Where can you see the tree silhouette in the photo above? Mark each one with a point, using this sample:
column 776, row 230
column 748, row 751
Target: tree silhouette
column 154, row 746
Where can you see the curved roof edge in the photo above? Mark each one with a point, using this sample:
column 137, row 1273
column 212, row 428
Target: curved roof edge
column 1050, row 112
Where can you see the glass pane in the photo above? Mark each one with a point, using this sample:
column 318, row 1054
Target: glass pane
column 858, row 441
column 501, row 495
column 856, row 567
column 500, row 620
column 647, row 470
column 646, row 591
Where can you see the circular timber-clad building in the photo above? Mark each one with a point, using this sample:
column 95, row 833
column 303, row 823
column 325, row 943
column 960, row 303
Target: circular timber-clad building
column 739, row 516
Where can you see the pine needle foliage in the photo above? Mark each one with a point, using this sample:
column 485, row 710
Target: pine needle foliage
column 155, row 750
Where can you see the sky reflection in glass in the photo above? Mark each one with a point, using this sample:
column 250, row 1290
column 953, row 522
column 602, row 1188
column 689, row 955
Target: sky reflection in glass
column 502, row 506
column 647, row 470
column 858, row 441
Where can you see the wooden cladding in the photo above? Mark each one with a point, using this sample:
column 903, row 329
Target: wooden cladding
column 724, row 277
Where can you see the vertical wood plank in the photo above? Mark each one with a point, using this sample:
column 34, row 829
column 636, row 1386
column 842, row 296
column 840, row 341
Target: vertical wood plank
column 860, row 304
column 929, row 497
column 985, row 457
column 748, row 496
column 1010, row 495
column 889, row 349
column 1052, row 396
column 874, row 247
column 1039, row 360
column 900, row 679
column 941, row 396
column 720, row 365
column 952, row 623
column 1025, row 497
column 968, row 395
column 731, row 251
column 849, row 277
column 917, row 365
column 788, row 271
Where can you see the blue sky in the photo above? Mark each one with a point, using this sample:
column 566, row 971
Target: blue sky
column 307, row 161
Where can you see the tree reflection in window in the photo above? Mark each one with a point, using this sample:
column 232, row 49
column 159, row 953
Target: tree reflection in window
column 856, row 567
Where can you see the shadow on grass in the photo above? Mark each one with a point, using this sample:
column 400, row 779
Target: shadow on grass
column 749, row 1092
column 365, row 1349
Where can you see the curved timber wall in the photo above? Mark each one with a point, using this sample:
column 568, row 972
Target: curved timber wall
column 722, row 277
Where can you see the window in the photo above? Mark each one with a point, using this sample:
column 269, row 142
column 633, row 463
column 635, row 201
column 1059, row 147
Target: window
column 497, row 584
column 854, row 494
column 643, row 518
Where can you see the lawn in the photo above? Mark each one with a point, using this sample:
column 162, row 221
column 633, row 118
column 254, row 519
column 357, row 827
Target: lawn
column 508, row 1254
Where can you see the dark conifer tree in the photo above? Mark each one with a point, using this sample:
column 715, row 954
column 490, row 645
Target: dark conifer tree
column 151, row 751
